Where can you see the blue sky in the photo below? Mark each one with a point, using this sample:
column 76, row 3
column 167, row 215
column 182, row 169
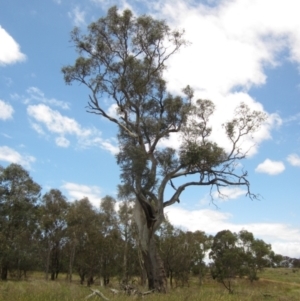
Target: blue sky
column 240, row 50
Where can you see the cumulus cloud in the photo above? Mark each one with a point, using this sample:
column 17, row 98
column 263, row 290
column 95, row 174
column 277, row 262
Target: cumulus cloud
column 122, row 4
column 45, row 120
column 270, row 167
column 62, row 141
column 10, row 50
column 6, row 110
column 294, row 160
column 79, row 191
column 229, row 193
column 78, row 16
column 36, row 95
column 225, row 106
column 279, row 235
column 55, row 122
column 232, row 43
column 10, row 155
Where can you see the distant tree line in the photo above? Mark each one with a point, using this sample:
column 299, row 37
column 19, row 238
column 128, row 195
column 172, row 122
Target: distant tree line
column 48, row 233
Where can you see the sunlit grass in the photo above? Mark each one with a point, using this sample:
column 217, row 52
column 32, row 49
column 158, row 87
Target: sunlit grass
column 275, row 284
column 282, row 274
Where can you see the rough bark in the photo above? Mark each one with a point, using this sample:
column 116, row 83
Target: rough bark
column 154, row 267
column 153, row 264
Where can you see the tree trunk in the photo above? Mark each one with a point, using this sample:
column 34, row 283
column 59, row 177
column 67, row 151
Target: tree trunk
column 154, row 267
column 4, row 270
column 125, row 264
column 47, row 262
column 81, row 275
column 71, row 262
column 156, row 275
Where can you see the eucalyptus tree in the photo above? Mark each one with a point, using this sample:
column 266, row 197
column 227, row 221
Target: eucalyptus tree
column 126, row 228
column 53, row 223
column 84, row 239
column 121, row 60
column 183, row 252
column 227, row 258
column 256, row 254
column 111, row 238
column 19, row 196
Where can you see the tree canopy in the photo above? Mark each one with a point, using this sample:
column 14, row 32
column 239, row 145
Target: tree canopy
column 122, row 58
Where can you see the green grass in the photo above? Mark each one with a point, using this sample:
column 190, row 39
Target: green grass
column 282, row 274
column 274, row 284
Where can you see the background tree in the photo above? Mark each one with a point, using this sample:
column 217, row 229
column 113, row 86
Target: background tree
column 296, row 262
column 227, row 258
column 19, row 195
column 111, row 238
column 275, row 259
column 182, row 252
column 126, row 227
column 84, row 240
column 200, row 243
column 122, row 59
column 54, row 210
column 236, row 255
column 255, row 254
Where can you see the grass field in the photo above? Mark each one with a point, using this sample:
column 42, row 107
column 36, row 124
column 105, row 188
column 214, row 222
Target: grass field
column 274, row 284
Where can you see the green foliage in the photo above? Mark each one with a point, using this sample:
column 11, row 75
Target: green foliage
column 19, row 195
column 238, row 255
column 53, row 224
column 182, row 253
column 226, row 257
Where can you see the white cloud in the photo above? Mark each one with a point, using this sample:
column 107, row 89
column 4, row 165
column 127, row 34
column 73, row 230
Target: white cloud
column 112, row 111
column 106, row 4
column 291, row 249
column 38, row 128
column 233, row 43
column 36, row 95
column 78, row 16
column 9, row 51
column 229, row 193
column 46, row 120
column 55, row 122
column 270, row 167
column 6, row 135
column 79, row 191
column 10, row 155
column 224, row 112
column 62, row 142
column 294, row 160
column 213, row 221
column 106, row 144
column 6, row 110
